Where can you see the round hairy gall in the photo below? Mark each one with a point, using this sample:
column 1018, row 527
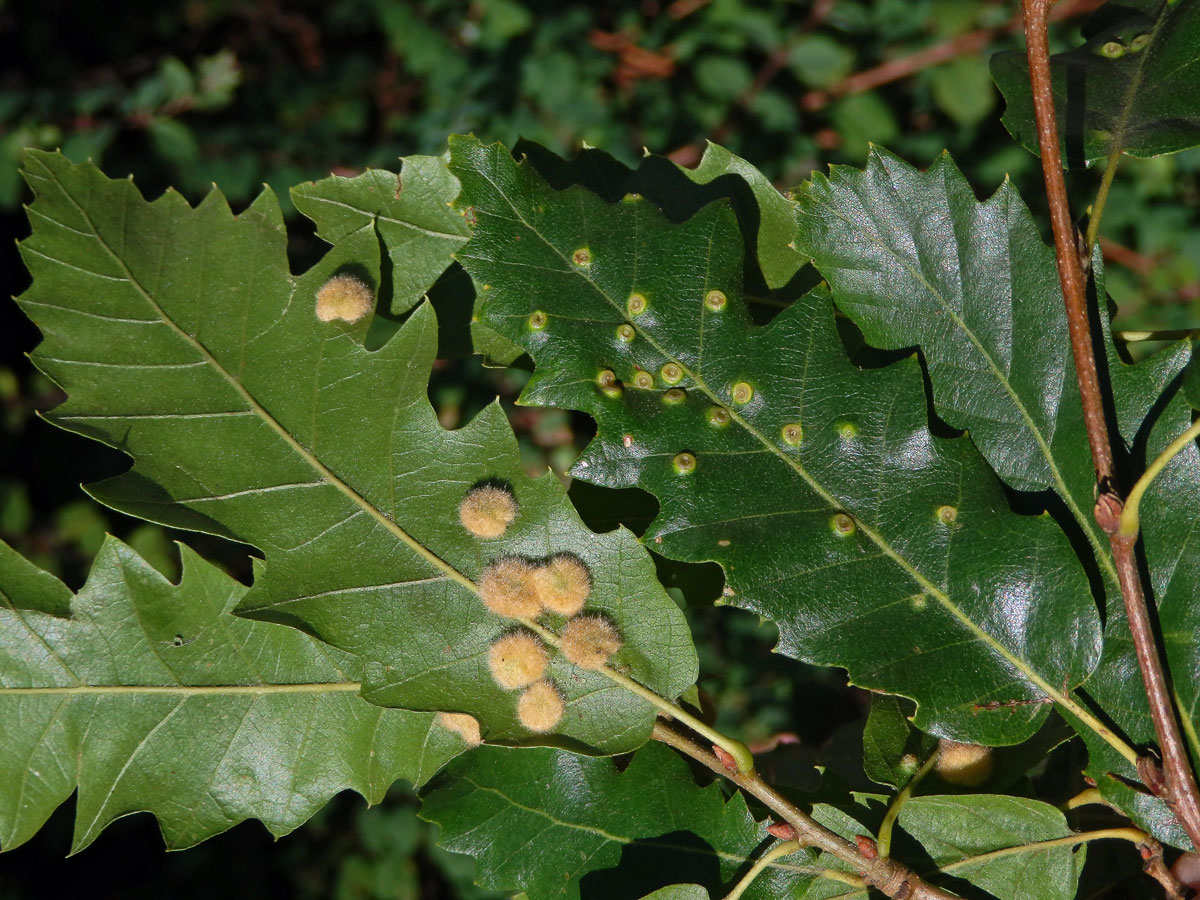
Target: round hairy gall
column 967, row 764
column 517, row 659
column 344, row 297
column 540, row 707
column 563, row 583
column 487, row 511
column 507, row 589
column 589, row 641
column 465, row 726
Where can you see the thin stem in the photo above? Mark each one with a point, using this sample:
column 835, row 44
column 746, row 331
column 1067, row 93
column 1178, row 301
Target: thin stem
column 784, row 849
column 885, row 875
column 884, row 839
column 1165, row 334
column 1086, row 797
column 1110, row 172
column 735, row 748
column 1130, row 520
column 1179, row 784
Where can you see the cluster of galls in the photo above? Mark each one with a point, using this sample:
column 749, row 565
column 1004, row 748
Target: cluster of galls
column 518, row 588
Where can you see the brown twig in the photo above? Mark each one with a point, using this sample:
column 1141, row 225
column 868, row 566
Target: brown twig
column 884, row 874
column 1179, row 785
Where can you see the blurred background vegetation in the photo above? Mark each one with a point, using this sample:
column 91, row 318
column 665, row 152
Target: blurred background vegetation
column 247, row 92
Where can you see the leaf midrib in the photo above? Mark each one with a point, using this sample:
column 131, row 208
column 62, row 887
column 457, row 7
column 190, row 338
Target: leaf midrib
column 928, row 586
column 1100, row 548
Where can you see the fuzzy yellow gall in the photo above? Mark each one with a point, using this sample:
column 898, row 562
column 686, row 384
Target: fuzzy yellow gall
column 465, row 726
column 967, row 764
column 589, row 641
column 344, row 297
column 507, row 589
column 517, row 659
column 487, row 511
column 540, row 707
column 563, row 584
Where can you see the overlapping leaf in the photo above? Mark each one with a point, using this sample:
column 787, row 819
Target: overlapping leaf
column 553, row 824
column 830, row 506
column 409, row 212
column 1133, row 88
column 147, row 696
column 1011, row 847
column 977, row 290
column 181, row 337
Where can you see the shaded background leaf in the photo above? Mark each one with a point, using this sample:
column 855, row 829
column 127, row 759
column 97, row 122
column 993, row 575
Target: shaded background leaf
column 1133, row 87
column 558, row 825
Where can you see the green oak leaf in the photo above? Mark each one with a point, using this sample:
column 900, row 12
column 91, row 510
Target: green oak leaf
column 980, row 297
column 764, row 213
column 181, row 337
column 892, row 749
column 557, row 825
column 1009, row 846
column 679, row 892
column 147, row 696
column 409, row 212
column 817, row 486
column 1133, row 87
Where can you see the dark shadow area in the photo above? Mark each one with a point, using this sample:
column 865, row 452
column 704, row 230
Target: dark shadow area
column 680, row 857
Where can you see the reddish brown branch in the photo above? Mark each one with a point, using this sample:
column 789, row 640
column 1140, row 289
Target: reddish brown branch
column 1179, row 785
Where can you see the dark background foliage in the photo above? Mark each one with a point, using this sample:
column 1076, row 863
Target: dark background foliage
column 247, row 92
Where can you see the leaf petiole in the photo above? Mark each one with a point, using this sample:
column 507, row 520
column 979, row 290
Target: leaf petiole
column 884, row 839
column 1130, row 520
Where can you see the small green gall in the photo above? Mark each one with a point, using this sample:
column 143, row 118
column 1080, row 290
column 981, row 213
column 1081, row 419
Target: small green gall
column 672, row 373
column 506, row 587
column 792, row 434
column 344, row 297
column 717, row 416
column 625, row 333
column 516, row 660
column 465, row 726
column 1139, row 43
column 742, row 393
column 714, row 301
column 589, row 641
column 947, row 514
column 1111, row 50
column 685, row 463
column 847, row 431
column 540, row 707
column 582, row 257
column 969, row 765
column 538, row 320
column 608, row 383
column 487, row 511
column 636, row 304
column 842, row 525
column 674, row 397
column 643, row 379
column 563, row 584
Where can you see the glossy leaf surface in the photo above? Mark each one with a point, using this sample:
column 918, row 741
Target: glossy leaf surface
column 147, row 696
column 980, row 297
column 817, row 486
column 249, row 417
